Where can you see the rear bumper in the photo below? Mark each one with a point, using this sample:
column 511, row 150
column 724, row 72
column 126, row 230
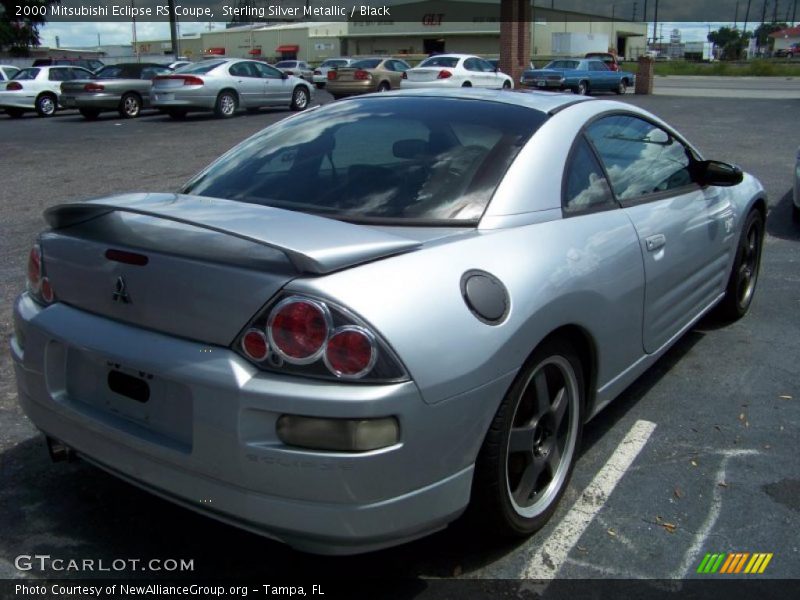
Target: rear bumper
column 211, row 444
column 351, row 88
column 169, row 99
column 98, row 101
column 17, row 100
column 407, row 84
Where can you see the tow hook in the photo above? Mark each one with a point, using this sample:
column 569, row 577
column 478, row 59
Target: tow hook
column 59, row 451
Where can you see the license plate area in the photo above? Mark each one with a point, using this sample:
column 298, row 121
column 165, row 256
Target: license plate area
column 136, row 402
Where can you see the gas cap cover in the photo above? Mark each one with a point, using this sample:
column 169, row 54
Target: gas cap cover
column 485, row 296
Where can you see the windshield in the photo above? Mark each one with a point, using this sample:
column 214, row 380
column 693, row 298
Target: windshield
column 396, row 160
column 369, row 63
column 562, row 64
column 440, row 61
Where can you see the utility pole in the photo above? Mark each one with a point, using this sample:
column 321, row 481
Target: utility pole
column 747, row 16
column 736, row 15
column 655, row 19
column 775, row 12
column 173, row 28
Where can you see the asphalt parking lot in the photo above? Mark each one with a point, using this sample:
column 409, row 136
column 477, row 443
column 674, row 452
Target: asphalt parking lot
column 708, row 437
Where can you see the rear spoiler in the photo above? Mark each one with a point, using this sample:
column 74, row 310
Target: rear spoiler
column 313, row 244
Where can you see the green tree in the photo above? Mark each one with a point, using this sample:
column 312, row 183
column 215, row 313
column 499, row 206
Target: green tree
column 730, row 40
column 19, row 34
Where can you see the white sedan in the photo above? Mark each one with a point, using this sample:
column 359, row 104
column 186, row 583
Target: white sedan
column 38, row 88
column 455, row 70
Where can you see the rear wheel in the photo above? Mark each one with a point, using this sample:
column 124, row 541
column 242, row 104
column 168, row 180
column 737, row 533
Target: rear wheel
column 744, row 274
column 130, row 106
column 89, row 114
column 46, row 105
column 506, row 85
column 582, row 89
column 226, row 105
column 384, row 86
column 300, row 98
column 530, row 450
column 466, row 84
column 622, row 87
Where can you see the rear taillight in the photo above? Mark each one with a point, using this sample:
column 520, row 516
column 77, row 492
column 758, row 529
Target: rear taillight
column 350, row 352
column 332, row 75
column 13, row 87
column 38, row 284
column 186, row 79
column 94, row 87
column 362, row 75
column 298, row 329
column 35, row 270
column 255, row 345
column 444, row 74
column 312, row 337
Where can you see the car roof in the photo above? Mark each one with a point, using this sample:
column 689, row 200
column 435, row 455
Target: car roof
column 547, row 102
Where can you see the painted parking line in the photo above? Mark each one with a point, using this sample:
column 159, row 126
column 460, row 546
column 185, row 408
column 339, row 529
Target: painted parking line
column 551, row 553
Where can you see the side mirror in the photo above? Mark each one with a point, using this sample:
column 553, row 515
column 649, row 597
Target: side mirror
column 714, row 172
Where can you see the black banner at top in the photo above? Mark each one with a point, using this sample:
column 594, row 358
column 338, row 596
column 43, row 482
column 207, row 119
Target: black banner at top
column 259, row 11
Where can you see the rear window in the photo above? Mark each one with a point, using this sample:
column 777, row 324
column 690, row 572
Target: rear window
column 369, row 63
column 27, row 74
column 334, row 63
column 201, row 68
column 563, row 64
column 391, row 160
column 111, row 72
column 440, row 61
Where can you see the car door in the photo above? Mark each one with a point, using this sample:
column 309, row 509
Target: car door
column 277, row 88
column 685, row 231
column 599, row 79
column 475, row 72
column 249, row 85
column 398, row 68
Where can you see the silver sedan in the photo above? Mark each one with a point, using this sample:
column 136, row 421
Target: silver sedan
column 363, row 319
column 225, row 85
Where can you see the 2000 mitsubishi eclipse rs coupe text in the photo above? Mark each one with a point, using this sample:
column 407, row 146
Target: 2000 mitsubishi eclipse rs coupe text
column 370, row 315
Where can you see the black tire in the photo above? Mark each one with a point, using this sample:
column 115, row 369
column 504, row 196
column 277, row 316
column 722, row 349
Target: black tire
column 300, row 98
column 15, row 113
column 622, row 87
column 46, row 105
column 466, row 84
column 506, row 85
column 130, row 106
column 501, row 501
column 582, row 89
column 176, row 113
column 226, row 105
column 90, row 114
column 744, row 273
column 385, row 86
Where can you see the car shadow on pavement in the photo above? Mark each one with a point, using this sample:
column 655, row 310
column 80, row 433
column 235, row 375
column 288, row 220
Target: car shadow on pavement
column 74, row 510
column 780, row 222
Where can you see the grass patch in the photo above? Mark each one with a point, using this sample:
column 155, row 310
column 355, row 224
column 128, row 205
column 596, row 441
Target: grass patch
column 753, row 68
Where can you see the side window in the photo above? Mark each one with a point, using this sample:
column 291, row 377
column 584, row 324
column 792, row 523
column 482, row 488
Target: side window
column 400, row 66
column 585, row 186
column 80, row 74
column 389, row 65
column 471, row 64
column 639, row 157
column 241, row 69
column 58, row 75
column 267, row 72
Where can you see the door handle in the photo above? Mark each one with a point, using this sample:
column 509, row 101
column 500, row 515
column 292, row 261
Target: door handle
column 654, row 242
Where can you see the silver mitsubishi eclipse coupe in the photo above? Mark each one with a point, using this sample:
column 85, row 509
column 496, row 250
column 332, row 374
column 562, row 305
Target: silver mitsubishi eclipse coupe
column 371, row 315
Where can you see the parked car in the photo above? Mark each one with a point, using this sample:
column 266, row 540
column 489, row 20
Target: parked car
column 178, row 64
column 123, row 87
column 329, row 332
column 320, row 77
column 609, row 59
column 377, row 74
column 7, row 72
column 37, row 88
column 225, row 85
column 581, row 75
column 456, row 70
column 790, row 52
column 796, row 206
column 91, row 64
column 298, row 68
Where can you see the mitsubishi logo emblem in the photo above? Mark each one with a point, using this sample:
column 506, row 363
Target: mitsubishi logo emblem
column 121, row 292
